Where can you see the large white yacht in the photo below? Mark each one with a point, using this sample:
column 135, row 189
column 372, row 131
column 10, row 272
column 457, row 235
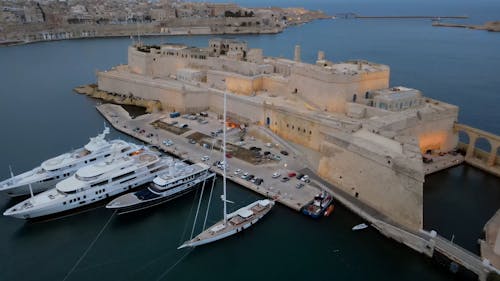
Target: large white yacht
column 93, row 183
column 60, row 167
column 180, row 179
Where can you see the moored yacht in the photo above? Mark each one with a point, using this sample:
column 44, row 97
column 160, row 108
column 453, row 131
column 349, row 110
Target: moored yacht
column 180, row 179
column 92, row 183
column 60, row 167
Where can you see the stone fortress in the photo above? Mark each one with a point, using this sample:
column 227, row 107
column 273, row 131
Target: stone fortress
column 348, row 124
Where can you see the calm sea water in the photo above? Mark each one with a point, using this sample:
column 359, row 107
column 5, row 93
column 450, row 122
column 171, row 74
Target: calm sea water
column 42, row 117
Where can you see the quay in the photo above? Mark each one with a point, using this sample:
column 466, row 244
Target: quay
column 284, row 193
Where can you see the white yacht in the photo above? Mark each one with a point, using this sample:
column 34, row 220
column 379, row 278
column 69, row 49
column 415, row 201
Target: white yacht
column 92, row 183
column 180, row 179
column 60, row 167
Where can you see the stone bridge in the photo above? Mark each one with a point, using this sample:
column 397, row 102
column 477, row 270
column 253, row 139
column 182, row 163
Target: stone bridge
column 488, row 161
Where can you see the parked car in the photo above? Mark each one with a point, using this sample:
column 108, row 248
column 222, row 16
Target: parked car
column 205, row 158
column 299, row 185
column 284, row 152
column 305, row 178
column 276, row 175
column 299, row 176
column 259, row 181
column 168, row 142
column 191, row 141
column 250, row 177
column 237, row 171
column 285, row 179
column 244, row 176
column 292, row 174
column 229, row 155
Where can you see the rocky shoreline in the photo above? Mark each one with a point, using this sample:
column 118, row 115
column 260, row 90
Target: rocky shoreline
column 91, row 90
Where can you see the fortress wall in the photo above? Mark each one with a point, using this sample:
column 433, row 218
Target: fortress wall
column 138, row 62
column 124, row 84
column 372, row 81
column 273, row 85
column 243, row 85
column 324, row 95
column 435, row 135
column 239, row 108
column 294, row 127
column 395, row 194
column 217, row 80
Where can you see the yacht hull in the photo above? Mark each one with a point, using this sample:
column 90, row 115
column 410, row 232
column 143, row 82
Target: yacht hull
column 220, row 230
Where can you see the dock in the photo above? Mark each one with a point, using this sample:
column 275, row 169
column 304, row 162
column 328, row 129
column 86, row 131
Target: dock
column 285, row 193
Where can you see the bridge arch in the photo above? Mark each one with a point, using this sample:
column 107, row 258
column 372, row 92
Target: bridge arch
column 481, row 145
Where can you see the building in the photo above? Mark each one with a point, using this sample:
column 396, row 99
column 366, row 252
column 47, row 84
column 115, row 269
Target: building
column 359, row 134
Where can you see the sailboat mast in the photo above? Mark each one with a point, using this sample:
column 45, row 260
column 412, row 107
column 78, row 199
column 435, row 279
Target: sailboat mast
column 225, row 161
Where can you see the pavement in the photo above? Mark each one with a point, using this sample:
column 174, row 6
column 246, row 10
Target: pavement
column 285, row 193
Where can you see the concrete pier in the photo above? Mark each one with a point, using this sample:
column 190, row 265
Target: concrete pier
column 285, row 193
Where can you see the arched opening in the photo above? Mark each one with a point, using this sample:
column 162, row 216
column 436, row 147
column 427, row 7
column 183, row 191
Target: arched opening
column 295, row 91
column 354, row 97
column 268, row 121
column 482, row 148
column 367, row 95
column 463, row 142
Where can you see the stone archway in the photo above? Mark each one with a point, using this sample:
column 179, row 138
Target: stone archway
column 482, row 148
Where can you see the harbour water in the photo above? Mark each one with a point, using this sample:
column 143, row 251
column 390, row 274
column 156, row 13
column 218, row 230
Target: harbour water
column 41, row 117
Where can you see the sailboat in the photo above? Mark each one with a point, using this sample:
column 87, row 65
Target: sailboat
column 236, row 221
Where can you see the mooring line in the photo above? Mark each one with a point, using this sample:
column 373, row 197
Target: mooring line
column 174, row 265
column 88, row 248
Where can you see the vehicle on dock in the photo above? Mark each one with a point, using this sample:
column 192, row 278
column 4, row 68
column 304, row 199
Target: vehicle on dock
column 60, row 167
column 93, row 183
column 318, row 206
column 179, row 179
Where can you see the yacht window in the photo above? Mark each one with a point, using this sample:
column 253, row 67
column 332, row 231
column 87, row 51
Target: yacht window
column 99, row 183
column 107, row 155
column 49, row 179
column 91, row 160
column 122, row 176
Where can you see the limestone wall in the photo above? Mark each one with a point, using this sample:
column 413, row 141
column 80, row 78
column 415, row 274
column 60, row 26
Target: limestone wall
column 171, row 99
column 239, row 108
column 376, row 181
column 334, row 91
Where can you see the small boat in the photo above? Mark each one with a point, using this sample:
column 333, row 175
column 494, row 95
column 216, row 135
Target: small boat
column 329, row 210
column 359, row 226
column 319, row 205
